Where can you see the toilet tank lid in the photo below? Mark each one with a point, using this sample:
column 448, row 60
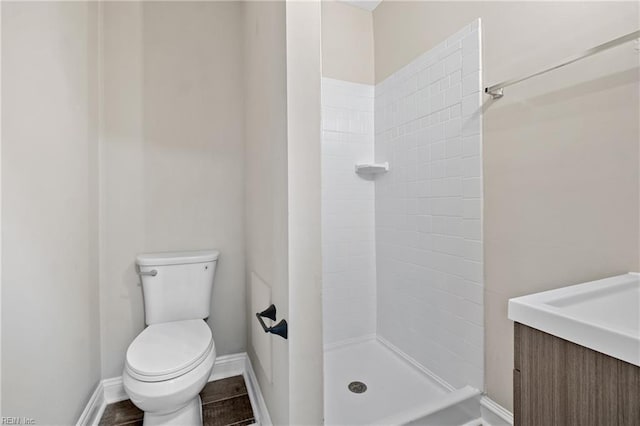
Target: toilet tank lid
column 177, row 257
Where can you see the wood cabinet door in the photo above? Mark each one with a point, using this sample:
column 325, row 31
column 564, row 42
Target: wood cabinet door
column 557, row 382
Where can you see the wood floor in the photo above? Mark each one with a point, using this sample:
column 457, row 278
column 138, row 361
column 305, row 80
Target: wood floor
column 224, row 403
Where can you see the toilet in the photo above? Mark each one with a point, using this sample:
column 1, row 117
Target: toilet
column 170, row 361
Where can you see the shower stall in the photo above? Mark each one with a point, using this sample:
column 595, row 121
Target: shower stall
column 402, row 241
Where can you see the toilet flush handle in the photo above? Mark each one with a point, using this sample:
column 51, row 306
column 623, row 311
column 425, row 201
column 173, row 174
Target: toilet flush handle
column 151, row 273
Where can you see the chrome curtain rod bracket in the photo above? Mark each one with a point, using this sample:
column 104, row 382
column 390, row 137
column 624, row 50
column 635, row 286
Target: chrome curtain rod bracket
column 496, row 91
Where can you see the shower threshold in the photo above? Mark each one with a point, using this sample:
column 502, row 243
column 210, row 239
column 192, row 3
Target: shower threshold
column 397, row 393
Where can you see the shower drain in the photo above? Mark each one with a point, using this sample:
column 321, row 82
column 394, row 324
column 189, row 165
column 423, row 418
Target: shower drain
column 357, row 387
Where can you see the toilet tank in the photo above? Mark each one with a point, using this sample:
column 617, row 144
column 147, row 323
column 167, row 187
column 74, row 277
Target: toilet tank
column 177, row 285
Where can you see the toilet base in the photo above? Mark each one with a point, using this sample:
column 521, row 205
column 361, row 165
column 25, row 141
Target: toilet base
column 189, row 415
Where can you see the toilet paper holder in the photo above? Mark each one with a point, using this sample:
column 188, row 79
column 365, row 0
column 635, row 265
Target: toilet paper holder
column 280, row 328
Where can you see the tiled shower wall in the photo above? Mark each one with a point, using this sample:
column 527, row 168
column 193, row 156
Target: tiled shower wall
column 428, row 210
column 348, row 225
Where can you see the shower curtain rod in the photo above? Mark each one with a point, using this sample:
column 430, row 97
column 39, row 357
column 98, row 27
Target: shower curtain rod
column 496, row 91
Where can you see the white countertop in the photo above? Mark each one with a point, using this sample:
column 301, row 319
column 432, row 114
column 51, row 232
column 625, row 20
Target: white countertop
column 603, row 315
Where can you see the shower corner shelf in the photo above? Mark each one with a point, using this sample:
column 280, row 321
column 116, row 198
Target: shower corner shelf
column 372, row 168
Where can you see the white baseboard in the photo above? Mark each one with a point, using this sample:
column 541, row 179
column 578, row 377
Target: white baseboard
column 258, row 404
column 95, row 407
column 112, row 390
column 228, row 366
column 494, row 414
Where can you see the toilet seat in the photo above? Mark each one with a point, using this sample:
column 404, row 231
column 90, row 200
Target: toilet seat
column 167, row 350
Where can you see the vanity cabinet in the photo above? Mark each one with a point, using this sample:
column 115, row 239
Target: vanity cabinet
column 557, row 382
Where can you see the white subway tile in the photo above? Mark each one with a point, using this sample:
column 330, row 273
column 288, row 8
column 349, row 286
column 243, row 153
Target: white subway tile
column 423, row 78
column 454, row 147
column 428, row 209
column 456, row 77
column 453, row 95
column 471, row 44
column 471, row 125
column 443, row 115
column 471, row 145
column 348, row 222
column 438, row 167
column 472, row 229
column 470, row 63
column 453, row 128
column 472, row 250
column 436, row 132
column 471, row 83
column 436, row 72
column 471, row 104
column 444, row 84
column 455, row 111
column 472, row 187
column 437, row 102
column 472, row 208
column 454, row 167
column 438, row 151
column 453, row 62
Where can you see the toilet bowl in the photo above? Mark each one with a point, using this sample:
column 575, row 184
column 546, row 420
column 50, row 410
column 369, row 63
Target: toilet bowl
column 167, row 366
column 170, row 361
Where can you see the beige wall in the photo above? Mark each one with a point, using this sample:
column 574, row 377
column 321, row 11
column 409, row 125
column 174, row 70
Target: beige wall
column 347, row 42
column 172, row 164
column 265, row 192
column 50, row 310
column 560, row 151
